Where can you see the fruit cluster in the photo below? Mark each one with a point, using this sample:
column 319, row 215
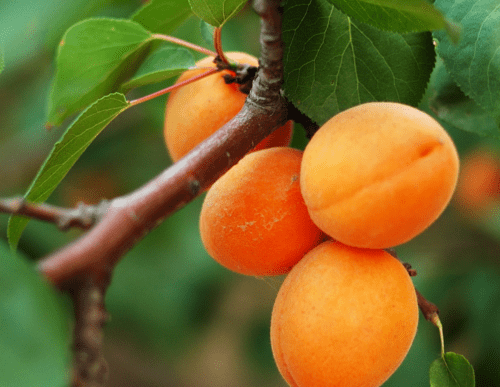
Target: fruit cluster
column 372, row 177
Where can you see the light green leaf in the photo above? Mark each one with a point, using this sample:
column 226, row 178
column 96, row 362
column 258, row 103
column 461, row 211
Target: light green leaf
column 66, row 152
column 164, row 63
column 94, row 57
column 333, row 63
column 35, row 333
column 452, row 370
column 2, row 62
column 398, row 16
column 474, row 63
column 163, row 16
column 216, row 12
column 207, row 32
column 451, row 105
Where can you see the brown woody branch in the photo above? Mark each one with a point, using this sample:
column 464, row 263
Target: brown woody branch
column 90, row 367
column 83, row 216
column 131, row 217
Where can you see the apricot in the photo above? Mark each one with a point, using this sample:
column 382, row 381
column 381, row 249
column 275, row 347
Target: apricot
column 343, row 317
column 478, row 186
column 378, row 174
column 197, row 110
column 253, row 219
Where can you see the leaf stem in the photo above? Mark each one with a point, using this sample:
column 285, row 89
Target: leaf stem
column 173, row 87
column 431, row 313
column 218, row 45
column 184, row 43
column 437, row 322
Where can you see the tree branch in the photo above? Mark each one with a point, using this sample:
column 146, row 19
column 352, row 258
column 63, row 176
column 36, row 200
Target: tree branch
column 83, row 216
column 131, row 217
column 90, row 367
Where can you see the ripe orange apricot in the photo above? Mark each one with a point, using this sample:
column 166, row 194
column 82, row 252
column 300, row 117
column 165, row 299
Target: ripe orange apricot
column 253, row 220
column 378, row 174
column 197, row 110
column 343, row 317
column 478, row 186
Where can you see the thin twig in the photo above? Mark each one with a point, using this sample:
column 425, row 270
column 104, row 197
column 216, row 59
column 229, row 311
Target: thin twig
column 83, row 216
column 429, row 310
column 309, row 125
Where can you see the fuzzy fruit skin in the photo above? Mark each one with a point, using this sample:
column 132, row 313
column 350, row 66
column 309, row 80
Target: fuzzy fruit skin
column 378, row 174
column 343, row 317
column 197, row 110
column 253, row 220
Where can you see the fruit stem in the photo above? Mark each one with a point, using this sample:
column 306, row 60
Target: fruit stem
column 218, row 45
column 173, row 87
column 184, row 43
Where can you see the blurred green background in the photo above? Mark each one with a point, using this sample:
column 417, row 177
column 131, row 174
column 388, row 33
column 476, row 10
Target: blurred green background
column 178, row 318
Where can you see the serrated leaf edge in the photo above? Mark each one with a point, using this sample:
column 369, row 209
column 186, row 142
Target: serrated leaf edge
column 452, row 29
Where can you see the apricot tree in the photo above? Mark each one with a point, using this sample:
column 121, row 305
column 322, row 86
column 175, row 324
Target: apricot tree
column 319, row 62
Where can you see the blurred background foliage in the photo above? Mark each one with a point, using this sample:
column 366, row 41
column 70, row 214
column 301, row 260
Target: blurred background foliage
column 178, row 318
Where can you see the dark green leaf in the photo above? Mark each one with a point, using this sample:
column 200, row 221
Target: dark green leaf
column 451, row 105
column 163, row 16
column 474, row 63
column 164, row 63
column 216, row 12
column 94, row 57
column 66, row 152
column 452, row 370
column 207, row 32
column 398, row 16
column 333, row 63
column 34, row 338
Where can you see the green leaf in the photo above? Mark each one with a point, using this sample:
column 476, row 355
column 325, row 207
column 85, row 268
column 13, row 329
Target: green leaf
column 94, row 57
column 66, row 152
column 2, row 62
column 207, row 32
column 474, row 63
column 451, row 105
column 452, row 370
column 216, row 12
column 163, row 16
column 398, row 16
column 35, row 333
column 164, row 63
column 333, row 63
